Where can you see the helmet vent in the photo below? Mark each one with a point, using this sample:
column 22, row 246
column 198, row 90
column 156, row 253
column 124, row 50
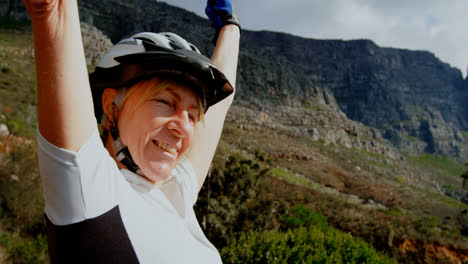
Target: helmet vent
column 149, row 44
column 129, row 42
column 146, row 40
column 175, row 45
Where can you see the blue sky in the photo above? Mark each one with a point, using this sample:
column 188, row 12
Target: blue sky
column 440, row 26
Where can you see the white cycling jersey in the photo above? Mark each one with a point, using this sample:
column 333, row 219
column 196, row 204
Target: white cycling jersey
column 96, row 213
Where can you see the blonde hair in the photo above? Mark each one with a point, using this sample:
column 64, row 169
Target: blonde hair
column 148, row 88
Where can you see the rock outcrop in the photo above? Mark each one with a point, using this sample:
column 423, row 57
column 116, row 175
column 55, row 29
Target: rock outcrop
column 95, row 43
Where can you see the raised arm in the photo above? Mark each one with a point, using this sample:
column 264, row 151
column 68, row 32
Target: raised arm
column 207, row 134
column 65, row 107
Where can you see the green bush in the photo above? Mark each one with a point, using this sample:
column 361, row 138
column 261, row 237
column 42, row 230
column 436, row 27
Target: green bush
column 4, row 240
column 400, row 179
column 261, row 155
column 394, row 211
column 233, row 200
column 28, row 250
column 301, row 245
column 18, row 126
column 301, row 216
column 22, row 229
column 426, row 225
column 21, row 198
column 304, row 238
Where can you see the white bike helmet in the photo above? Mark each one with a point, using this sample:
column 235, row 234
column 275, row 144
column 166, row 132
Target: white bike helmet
column 148, row 54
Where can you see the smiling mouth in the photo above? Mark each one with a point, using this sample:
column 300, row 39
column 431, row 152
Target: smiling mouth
column 165, row 147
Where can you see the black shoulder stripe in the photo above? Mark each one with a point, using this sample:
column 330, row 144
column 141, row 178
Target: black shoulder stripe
column 98, row 240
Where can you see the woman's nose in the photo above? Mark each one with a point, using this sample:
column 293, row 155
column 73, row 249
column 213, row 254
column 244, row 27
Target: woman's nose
column 181, row 125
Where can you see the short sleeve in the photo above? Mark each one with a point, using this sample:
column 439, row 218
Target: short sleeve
column 77, row 185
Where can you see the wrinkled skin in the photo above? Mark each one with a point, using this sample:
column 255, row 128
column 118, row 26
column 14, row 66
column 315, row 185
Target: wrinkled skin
column 159, row 131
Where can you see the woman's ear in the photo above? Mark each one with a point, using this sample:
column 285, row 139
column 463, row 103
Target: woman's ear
column 108, row 97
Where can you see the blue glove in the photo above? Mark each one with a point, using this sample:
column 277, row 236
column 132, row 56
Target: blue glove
column 216, row 10
column 220, row 13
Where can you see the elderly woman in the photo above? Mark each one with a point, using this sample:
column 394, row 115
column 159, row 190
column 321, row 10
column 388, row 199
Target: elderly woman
column 128, row 197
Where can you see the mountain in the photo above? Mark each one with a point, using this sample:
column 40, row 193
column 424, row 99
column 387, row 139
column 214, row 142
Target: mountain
column 411, row 96
column 413, row 99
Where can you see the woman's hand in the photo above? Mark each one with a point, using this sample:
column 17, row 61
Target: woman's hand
column 220, row 13
column 41, row 9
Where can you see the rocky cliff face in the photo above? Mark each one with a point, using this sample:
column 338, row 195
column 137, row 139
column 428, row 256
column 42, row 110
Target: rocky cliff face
column 417, row 102
column 464, row 99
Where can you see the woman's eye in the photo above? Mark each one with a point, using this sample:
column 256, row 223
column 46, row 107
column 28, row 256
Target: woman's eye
column 193, row 118
column 165, row 102
column 162, row 101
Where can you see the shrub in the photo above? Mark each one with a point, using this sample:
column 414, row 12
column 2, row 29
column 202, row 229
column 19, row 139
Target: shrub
column 304, row 238
column 233, row 200
column 399, row 179
column 426, row 225
column 301, row 216
column 19, row 126
column 6, row 70
column 301, row 245
column 21, row 198
column 394, row 211
column 21, row 203
column 462, row 220
column 261, row 155
column 28, row 250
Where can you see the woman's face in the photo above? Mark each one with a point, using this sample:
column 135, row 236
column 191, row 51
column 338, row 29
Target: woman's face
column 159, row 131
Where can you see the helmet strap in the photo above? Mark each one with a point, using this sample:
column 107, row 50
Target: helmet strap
column 123, row 155
column 122, row 152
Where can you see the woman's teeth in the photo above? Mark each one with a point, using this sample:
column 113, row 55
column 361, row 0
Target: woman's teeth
column 165, row 147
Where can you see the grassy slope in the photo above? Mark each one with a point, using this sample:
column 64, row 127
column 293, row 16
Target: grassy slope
column 358, row 191
column 17, row 79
